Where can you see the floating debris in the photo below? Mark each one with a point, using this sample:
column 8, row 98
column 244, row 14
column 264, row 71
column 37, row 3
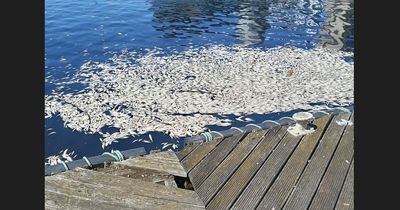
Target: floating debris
column 154, row 92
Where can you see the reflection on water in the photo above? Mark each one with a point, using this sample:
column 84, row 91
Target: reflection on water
column 252, row 24
column 267, row 23
column 338, row 31
column 244, row 20
column 184, row 18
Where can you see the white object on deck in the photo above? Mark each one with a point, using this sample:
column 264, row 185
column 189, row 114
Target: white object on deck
column 302, row 126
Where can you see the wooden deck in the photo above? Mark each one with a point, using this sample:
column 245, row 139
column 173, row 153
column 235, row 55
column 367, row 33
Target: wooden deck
column 272, row 169
column 140, row 183
column 264, row 169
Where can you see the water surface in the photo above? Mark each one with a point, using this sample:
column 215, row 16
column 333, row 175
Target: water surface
column 95, row 30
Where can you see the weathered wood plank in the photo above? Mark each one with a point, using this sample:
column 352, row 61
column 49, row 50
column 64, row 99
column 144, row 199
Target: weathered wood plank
column 192, row 159
column 185, row 151
column 90, row 185
column 312, row 174
column 59, row 200
column 282, row 186
column 346, row 197
column 91, row 201
column 160, row 161
column 219, row 176
column 143, row 174
column 332, row 182
column 206, row 166
column 235, row 184
column 262, row 180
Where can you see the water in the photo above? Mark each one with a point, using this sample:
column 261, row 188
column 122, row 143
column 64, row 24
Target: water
column 81, row 31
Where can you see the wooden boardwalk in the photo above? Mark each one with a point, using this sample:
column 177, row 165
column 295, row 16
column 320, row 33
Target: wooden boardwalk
column 272, row 169
column 140, row 183
column 264, row 169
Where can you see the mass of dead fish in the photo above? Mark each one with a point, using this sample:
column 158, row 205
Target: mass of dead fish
column 63, row 156
column 180, row 94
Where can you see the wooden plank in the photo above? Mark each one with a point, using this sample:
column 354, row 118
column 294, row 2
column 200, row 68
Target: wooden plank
column 262, row 180
column 346, row 197
column 160, row 161
column 332, row 182
column 183, row 153
column 120, row 191
column 192, row 159
column 312, row 174
column 58, row 200
column 206, row 166
column 283, row 185
column 219, row 176
column 144, row 174
column 235, row 184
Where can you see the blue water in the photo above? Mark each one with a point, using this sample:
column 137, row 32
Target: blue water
column 94, row 30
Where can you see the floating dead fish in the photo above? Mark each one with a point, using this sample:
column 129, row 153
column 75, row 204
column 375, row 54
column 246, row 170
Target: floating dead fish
column 51, row 133
column 138, row 95
column 165, row 146
column 137, row 140
column 223, row 123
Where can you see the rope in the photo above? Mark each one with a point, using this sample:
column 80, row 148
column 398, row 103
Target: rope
column 288, row 118
column 240, row 130
column 119, row 154
column 208, row 136
column 65, row 165
column 322, row 112
column 257, row 126
column 112, row 155
column 222, row 135
column 87, row 161
column 271, row 121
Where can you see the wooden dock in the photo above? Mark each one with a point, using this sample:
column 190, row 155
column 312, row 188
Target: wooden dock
column 264, row 169
column 139, row 183
column 272, row 169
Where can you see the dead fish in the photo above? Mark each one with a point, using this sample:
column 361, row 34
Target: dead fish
column 223, row 123
column 51, row 133
column 66, row 156
column 136, row 140
column 165, row 146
